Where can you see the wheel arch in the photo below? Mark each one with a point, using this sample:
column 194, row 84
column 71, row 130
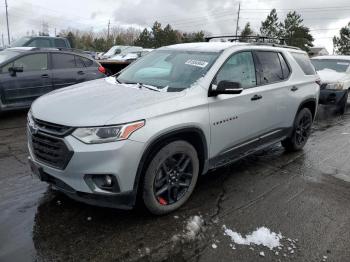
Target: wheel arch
column 311, row 104
column 193, row 135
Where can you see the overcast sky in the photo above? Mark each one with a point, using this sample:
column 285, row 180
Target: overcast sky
column 324, row 18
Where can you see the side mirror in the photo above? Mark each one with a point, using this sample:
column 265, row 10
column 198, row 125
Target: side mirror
column 15, row 69
column 227, row 88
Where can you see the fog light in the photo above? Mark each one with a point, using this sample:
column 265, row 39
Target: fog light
column 102, row 182
column 108, row 181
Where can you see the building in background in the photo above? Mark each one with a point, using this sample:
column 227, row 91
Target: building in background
column 318, row 51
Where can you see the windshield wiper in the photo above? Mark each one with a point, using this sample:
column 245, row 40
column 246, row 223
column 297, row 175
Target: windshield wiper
column 150, row 87
column 140, row 85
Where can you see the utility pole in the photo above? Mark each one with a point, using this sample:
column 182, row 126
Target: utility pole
column 239, row 11
column 2, row 40
column 109, row 24
column 7, row 21
column 55, row 32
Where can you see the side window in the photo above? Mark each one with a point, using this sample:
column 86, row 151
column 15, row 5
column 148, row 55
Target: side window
column 59, row 43
column 35, row 62
column 87, row 61
column 238, row 68
column 285, row 68
column 79, row 61
column 271, row 70
column 63, row 61
column 40, row 43
column 304, row 62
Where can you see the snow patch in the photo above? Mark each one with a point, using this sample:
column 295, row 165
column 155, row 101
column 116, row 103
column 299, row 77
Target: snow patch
column 330, row 76
column 262, row 236
column 193, row 227
column 214, row 246
column 111, row 80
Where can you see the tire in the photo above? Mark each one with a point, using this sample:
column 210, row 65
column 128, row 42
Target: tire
column 174, row 168
column 343, row 104
column 301, row 131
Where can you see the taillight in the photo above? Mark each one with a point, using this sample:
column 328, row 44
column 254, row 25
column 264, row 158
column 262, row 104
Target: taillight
column 102, row 70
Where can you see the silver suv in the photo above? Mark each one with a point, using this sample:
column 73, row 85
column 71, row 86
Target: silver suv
column 150, row 131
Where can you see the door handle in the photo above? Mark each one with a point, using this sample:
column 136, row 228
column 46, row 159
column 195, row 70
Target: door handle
column 45, row 76
column 81, row 73
column 256, row 97
column 294, row 88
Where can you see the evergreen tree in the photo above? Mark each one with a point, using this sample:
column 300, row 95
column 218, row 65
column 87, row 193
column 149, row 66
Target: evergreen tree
column 145, row 39
column 342, row 43
column 295, row 33
column 271, row 27
column 247, row 31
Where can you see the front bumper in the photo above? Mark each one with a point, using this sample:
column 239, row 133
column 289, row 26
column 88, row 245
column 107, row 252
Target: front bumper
column 119, row 159
column 331, row 97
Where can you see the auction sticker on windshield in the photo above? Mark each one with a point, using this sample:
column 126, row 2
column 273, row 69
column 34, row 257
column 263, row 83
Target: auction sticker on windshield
column 197, row 63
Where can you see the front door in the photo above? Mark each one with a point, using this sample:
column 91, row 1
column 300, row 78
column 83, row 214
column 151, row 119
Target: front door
column 22, row 88
column 236, row 120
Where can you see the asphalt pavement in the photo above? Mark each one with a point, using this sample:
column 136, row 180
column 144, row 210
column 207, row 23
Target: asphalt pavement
column 304, row 197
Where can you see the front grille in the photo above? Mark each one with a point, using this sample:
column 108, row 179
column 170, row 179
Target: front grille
column 53, row 129
column 50, row 150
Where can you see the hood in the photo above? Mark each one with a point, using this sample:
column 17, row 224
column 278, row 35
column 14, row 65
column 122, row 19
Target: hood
column 94, row 103
column 331, row 76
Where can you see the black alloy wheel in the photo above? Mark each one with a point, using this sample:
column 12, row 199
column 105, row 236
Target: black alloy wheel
column 173, row 178
column 170, row 177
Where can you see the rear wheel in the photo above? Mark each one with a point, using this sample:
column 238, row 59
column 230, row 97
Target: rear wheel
column 301, row 131
column 170, row 177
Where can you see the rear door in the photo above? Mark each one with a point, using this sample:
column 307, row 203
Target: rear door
column 24, row 87
column 273, row 73
column 65, row 70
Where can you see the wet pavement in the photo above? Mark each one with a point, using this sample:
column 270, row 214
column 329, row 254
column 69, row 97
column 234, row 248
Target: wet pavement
column 305, row 196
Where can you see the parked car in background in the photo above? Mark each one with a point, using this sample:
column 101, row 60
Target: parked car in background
column 171, row 116
column 334, row 72
column 120, row 50
column 132, row 56
column 27, row 73
column 42, row 42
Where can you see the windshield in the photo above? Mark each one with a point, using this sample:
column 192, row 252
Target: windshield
column 333, row 64
column 170, row 69
column 20, row 42
column 115, row 50
column 6, row 55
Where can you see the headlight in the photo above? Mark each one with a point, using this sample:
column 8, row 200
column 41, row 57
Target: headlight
column 105, row 134
column 335, row 86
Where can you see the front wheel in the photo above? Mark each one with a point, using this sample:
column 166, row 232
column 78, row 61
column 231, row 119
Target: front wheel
column 170, row 177
column 343, row 103
column 301, row 131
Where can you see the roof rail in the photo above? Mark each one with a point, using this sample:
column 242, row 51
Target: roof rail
column 254, row 40
column 277, row 45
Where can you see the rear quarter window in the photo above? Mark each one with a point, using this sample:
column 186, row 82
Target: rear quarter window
column 304, row 62
column 87, row 62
